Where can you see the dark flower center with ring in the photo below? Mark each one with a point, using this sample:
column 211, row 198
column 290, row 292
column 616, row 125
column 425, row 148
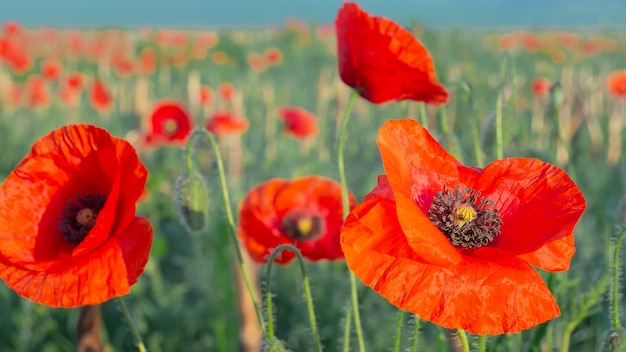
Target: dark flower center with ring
column 302, row 227
column 79, row 216
column 468, row 220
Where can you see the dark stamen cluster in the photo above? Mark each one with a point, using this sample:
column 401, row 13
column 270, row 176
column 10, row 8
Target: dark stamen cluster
column 292, row 229
column 72, row 226
column 465, row 233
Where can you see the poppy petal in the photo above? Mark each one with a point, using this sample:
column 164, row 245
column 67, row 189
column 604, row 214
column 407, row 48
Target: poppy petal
column 521, row 190
column 479, row 296
column 552, row 256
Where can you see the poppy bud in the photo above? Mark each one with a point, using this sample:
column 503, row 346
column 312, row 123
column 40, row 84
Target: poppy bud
column 273, row 345
column 614, row 340
column 192, row 200
column 556, row 95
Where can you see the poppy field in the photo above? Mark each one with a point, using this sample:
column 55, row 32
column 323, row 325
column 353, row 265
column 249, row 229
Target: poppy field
column 362, row 185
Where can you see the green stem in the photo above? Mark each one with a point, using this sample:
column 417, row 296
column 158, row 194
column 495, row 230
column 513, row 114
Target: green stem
column 556, row 112
column 133, row 328
column 346, row 209
column 463, row 339
column 229, row 216
column 499, row 136
column 616, row 274
column 482, row 343
column 307, row 293
column 416, row 329
column 443, row 121
column 396, row 345
column 478, row 154
column 423, row 116
column 346, row 330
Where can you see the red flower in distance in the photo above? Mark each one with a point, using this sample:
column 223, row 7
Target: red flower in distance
column 383, row 61
column 226, row 123
column 616, row 84
column 100, row 96
column 305, row 212
column 170, row 122
column 456, row 245
column 540, row 87
column 299, row 122
column 69, row 235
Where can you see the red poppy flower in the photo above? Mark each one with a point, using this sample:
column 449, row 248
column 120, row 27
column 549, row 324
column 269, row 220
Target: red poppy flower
column 206, row 95
column 257, row 62
column 616, row 83
column 74, row 81
column 298, row 122
column 100, row 95
column 51, row 70
column 227, row 91
column 384, row 61
column 540, row 87
column 226, row 123
column 273, row 56
column 170, row 122
column 37, row 92
column 68, row 231
column 456, row 244
column 305, row 212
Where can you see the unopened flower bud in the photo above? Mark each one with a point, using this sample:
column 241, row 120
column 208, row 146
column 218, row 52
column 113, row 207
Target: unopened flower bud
column 614, row 341
column 273, row 345
column 192, row 200
column 556, row 95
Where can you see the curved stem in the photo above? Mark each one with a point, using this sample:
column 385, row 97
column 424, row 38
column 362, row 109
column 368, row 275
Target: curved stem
column 133, row 328
column 396, row 345
column 616, row 276
column 463, row 339
column 307, row 293
column 346, row 209
column 229, row 217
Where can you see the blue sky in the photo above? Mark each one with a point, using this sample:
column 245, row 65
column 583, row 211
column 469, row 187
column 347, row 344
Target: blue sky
column 186, row 13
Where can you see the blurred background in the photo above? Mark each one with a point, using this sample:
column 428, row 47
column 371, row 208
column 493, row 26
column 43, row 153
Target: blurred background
column 112, row 63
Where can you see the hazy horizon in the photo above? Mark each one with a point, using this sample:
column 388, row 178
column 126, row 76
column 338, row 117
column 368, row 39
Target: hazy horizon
column 194, row 13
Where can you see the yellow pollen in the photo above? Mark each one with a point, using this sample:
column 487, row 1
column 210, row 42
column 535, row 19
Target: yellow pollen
column 170, row 126
column 86, row 217
column 304, row 225
column 463, row 214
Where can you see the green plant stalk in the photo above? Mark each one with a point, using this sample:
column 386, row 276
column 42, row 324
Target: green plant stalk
column 482, row 343
column 416, row 328
column 307, row 293
column 133, row 328
column 346, row 330
column 463, row 338
column 556, row 112
column 499, row 135
column 615, row 284
column 346, row 209
column 423, row 116
column 396, row 345
column 478, row 154
column 229, row 217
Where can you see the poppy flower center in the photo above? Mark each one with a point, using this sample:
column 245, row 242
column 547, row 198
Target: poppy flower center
column 302, row 227
column 468, row 220
column 79, row 216
column 170, row 126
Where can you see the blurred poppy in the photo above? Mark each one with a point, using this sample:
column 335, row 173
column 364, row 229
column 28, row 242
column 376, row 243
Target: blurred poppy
column 305, row 212
column 74, row 81
column 227, row 91
column 257, row 62
column 51, row 69
column 37, row 92
column 219, row 58
column 540, row 87
column 456, row 245
column 616, row 84
column 383, row 61
column 12, row 28
column 273, row 56
column 206, row 95
column 100, row 96
column 226, row 123
column 147, row 61
column 69, row 234
column 170, row 122
column 299, row 122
